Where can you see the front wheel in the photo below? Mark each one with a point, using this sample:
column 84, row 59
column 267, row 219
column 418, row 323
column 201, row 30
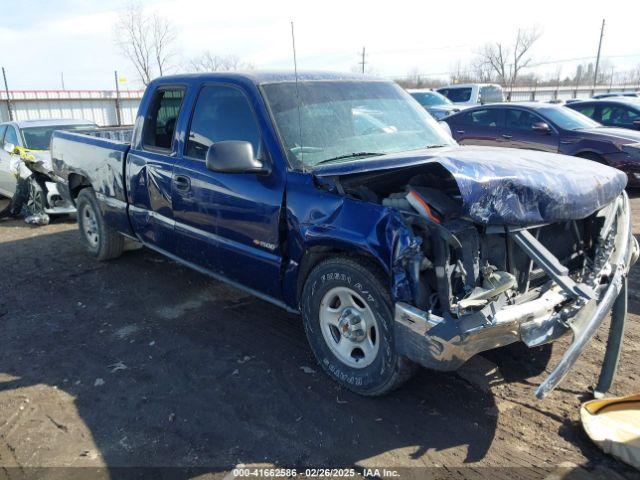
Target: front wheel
column 36, row 202
column 100, row 240
column 348, row 319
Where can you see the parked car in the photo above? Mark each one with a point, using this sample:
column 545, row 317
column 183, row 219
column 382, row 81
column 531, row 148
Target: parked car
column 435, row 103
column 473, row 93
column 611, row 112
column 396, row 246
column 546, row 127
column 32, row 137
column 616, row 94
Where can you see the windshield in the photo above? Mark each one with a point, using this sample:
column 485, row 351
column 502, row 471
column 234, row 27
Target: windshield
column 430, row 99
column 568, row 119
column 349, row 120
column 39, row 138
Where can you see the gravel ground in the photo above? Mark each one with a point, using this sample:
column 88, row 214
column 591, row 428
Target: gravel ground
column 140, row 362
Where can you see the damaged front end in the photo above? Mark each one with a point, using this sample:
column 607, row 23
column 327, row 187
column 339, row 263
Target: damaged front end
column 490, row 265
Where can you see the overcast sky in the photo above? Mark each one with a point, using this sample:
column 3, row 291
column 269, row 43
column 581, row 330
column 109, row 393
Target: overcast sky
column 40, row 39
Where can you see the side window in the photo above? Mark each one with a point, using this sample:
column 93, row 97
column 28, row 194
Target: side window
column 588, row 110
column 520, row 119
column 160, row 124
column 459, row 94
column 3, row 128
column 11, row 136
column 619, row 116
column 221, row 113
column 482, row 118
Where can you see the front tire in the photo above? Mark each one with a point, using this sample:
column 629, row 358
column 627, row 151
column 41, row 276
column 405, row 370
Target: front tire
column 99, row 239
column 348, row 318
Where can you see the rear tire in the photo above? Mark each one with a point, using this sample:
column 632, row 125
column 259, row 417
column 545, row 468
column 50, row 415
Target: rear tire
column 100, row 240
column 348, row 318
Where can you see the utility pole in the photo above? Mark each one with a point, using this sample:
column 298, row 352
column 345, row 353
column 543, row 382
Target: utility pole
column 362, row 62
column 6, row 91
column 62, row 80
column 118, row 117
column 595, row 74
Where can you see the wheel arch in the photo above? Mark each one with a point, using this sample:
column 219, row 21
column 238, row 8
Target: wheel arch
column 316, row 254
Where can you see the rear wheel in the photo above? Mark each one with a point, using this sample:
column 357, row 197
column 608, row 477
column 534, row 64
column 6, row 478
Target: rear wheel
column 100, row 240
column 348, row 319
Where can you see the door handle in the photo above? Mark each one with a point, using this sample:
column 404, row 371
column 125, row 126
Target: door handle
column 182, row 183
column 460, row 131
column 508, row 137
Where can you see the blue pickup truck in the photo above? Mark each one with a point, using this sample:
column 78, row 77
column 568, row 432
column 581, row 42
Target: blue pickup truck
column 339, row 198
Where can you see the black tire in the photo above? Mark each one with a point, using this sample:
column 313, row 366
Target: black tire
column 388, row 370
column 100, row 240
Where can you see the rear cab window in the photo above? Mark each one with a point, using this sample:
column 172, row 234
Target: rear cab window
column 160, row 124
column 457, row 95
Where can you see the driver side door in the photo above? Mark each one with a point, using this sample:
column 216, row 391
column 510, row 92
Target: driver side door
column 228, row 223
column 518, row 131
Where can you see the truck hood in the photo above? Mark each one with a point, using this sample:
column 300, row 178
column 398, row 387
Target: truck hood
column 502, row 186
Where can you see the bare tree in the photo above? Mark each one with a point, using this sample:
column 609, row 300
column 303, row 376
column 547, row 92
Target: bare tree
column 210, row 62
column 146, row 40
column 507, row 61
column 164, row 37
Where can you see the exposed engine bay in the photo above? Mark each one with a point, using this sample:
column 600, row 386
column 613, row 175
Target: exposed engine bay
column 464, row 266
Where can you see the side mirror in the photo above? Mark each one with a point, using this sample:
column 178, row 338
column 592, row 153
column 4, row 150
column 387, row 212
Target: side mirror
column 234, row 156
column 9, row 148
column 541, row 127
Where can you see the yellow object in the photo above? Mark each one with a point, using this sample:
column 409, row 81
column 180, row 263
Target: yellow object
column 614, row 425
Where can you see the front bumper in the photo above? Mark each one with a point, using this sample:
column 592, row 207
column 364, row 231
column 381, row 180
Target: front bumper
column 445, row 343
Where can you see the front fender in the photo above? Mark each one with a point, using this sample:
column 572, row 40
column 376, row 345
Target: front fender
column 321, row 220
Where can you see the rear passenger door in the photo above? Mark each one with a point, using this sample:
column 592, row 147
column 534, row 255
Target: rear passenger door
column 150, row 166
column 518, row 131
column 228, row 222
column 478, row 127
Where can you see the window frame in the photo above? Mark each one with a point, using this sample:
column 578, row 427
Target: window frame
column 499, row 115
column 534, row 114
column 612, row 107
column 2, row 133
column 152, row 148
column 15, row 131
column 261, row 148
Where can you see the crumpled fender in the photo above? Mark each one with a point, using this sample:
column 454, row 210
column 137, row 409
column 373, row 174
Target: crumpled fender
column 317, row 218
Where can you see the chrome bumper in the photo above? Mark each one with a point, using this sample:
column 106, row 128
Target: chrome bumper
column 447, row 343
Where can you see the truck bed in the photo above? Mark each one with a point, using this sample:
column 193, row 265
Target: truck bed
column 95, row 156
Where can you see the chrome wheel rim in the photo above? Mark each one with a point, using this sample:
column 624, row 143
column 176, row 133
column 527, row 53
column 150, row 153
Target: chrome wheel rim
column 35, row 203
column 90, row 226
column 349, row 327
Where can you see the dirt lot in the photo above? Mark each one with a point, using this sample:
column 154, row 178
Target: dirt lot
column 141, row 362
